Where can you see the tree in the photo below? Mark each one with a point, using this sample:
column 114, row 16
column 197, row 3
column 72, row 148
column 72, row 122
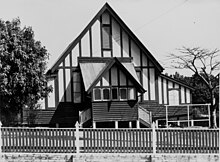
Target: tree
column 204, row 64
column 22, row 68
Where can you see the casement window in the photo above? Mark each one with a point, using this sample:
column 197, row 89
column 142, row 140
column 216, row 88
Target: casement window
column 77, row 93
column 114, row 93
column 123, row 94
column 106, row 93
column 97, row 94
column 106, row 37
column 106, row 34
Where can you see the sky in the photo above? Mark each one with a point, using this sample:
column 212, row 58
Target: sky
column 162, row 26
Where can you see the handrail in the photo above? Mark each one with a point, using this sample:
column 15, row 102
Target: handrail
column 143, row 109
column 85, row 115
column 148, row 118
column 207, row 104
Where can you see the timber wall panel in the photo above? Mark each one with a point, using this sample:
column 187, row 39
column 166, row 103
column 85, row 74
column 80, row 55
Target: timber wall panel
column 61, row 85
column 96, row 40
column 146, row 83
column 125, row 44
column 116, row 39
column 188, row 96
column 85, row 43
column 152, row 84
column 165, row 92
column 135, row 53
column 160, row 92
column 182, row 89
column 75, row 55
column 68, row 85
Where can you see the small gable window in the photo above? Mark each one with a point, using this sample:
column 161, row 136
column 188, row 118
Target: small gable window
column 114, row 93
column 106, row 94
column 106, row 37
column 97, row 94
column 106, row 34
column 123, row 93
column 105, row 18
column 77, row 92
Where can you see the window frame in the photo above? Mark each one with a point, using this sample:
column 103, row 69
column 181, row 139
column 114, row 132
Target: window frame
column 108, row 37
column 121, row 99
column 76, row 80
column 118, row 90
column 94, row 94
column 117, row 94
column 104, row 88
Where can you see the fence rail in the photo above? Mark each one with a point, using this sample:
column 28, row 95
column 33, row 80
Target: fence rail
column 84, row 140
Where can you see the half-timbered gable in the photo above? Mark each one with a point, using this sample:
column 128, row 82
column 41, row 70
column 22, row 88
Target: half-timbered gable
column 172, row 92
column 106, row 74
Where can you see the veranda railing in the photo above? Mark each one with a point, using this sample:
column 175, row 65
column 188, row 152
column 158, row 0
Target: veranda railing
column 85, row 140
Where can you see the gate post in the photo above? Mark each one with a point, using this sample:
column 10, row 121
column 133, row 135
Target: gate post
column 77, row 139
column 154, row 138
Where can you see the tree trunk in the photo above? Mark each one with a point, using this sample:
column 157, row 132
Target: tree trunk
column 213, row 111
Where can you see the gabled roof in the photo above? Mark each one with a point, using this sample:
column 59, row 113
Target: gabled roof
column 106, row 7
column 91, row 77
column 176, row 81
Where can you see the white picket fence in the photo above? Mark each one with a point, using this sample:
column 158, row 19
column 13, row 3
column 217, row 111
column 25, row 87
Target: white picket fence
column 89, row 140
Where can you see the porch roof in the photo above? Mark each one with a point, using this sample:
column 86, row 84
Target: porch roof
column 92, row 71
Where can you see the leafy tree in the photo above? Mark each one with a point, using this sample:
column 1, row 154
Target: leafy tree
column 22, row 68
column 204, row 63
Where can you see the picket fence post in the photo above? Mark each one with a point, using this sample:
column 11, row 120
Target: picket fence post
column 77, row 138
column 154, row 139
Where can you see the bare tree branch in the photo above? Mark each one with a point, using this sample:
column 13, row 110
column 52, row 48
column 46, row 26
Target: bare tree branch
column 203, row 63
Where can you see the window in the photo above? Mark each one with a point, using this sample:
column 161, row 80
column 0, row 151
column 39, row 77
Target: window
column 97, row 94
column 123, row 93
column 76, row 87
column 114, row 93
column 106, row 43
column 106, row 94
column 105, row 18
column 131, row 94
column 106, row 33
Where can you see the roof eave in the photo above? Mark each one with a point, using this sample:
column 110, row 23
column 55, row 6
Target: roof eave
column 177, row 81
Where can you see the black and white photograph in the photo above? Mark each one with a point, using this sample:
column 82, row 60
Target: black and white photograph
column 109, row 80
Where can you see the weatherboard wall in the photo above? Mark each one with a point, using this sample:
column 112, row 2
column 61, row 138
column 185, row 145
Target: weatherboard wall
column 114, row 111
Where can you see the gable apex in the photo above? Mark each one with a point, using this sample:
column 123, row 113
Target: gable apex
column 124, row 27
